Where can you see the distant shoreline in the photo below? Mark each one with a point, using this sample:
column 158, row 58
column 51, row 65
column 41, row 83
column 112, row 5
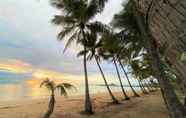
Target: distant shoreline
column 15, row 92
column 115, row 85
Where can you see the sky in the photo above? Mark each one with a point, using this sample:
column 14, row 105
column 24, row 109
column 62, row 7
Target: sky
column 28, row 43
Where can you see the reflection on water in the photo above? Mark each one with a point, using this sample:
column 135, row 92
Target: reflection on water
column 25, row 91
column 16, row 87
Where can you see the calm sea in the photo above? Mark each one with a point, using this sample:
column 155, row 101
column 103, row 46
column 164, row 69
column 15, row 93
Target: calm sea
column 15, row 87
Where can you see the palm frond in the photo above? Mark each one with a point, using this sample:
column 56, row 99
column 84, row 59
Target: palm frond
column 62, row 90
column 70, row 40
column 101, row 4
column 81, row 53
column 68, row 86
column 49, row 84
column 63, row 20
column 57, row 3
column 44, row 82
column 63, row 86
column 99, row 27
column 92, row 9
column 66, row 31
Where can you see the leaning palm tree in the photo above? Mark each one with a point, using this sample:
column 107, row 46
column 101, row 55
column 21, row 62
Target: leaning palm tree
column 110, row 47
column 75, row 20
column 142, row 87
column 52, row 87
column 126, row 75
column 174, row 106
column 133, row 20
column 94, row 52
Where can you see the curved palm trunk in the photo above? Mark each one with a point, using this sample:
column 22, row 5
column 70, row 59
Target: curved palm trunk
column 134, row 92
column 105, row 81
column 119, row 77
column 151, row 86
column 88, row 104
column 142, row 88
column 147, row 86
column 174, row 106
column 50, row 107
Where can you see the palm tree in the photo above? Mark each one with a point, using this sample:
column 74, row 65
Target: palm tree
column 142, row 70
column 52, row 87
column 142, row 87
column 147, row 85
column 94, row 51
column 75, row 20
column 127, row 35
column 126, row 75
column 117, row 70
column 110, row 48
column 174, row 106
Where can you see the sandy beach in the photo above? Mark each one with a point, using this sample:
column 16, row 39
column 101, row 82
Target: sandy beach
column 143, row 107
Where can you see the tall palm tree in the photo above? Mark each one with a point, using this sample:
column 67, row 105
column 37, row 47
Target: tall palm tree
column 110, row 47
column 94, row 52
column 75, row 20
column 142, row 70
column 174, row 106
column 142, row 87
column 52, row 87
column 126, row 75
column 117, row 70
column 127, row 51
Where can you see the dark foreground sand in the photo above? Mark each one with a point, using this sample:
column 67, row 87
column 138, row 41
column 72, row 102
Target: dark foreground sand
column 146, row 106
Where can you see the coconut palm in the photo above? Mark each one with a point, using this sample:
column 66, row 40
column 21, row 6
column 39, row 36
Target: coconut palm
column 142, row 87
column 117, row 70
column 94, row 52
column 142, row 70
column 134, row 21
column 52, row 87
column 75, row 20
column 110, row 48
column 126, row 75
column 117, row 48
column 127, row 37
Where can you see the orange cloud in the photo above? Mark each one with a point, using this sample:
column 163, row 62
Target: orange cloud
column 15, row 66
column 39, row 74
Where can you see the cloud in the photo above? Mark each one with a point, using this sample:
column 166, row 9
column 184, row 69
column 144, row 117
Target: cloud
column 26, row 34
column 15, row 66
column 21, row 67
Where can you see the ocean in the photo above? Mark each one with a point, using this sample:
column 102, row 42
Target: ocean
column 15, row 87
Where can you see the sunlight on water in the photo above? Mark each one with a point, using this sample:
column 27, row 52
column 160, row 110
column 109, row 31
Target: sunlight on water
column 17, row 87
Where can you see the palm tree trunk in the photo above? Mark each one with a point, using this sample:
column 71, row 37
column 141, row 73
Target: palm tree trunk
column 105, row 81
column 119, row 77
column 142, row 88
column 50, row 106
column 174, row 106
column 142, row 84
column 88, row 104
column 134, row 92
column 147, row 86
column 152, row 85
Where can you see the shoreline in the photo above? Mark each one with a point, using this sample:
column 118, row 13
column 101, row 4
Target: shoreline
column 142, row 107
column 27, row 100
column 16, row 93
